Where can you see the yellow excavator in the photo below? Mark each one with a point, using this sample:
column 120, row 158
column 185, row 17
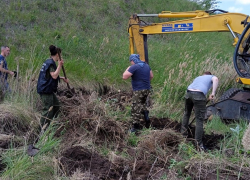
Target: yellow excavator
column 234, row 103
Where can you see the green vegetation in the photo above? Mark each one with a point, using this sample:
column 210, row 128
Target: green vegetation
column 21, row 166
column 93, row 37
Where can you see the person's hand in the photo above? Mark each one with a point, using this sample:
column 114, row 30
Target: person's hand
column 65, row 80
column 60, row 62
column 211, row 97
column 15, row 74
column 11, row 73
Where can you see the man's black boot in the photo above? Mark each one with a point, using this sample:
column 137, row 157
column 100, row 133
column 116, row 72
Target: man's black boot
column 134, row 128
column 146, row 118
column 202, row 147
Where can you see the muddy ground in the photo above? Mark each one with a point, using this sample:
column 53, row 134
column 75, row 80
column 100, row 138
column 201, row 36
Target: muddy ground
column 141, row 162
column 96, row 146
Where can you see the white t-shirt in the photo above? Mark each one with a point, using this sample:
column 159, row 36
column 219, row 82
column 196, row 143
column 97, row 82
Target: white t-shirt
column 202, row 83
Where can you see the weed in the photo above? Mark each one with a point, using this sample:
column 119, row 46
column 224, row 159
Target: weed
column 173, row 162
column 20, row 165
column 133, row 139
column 164, row 176
column 216, row 126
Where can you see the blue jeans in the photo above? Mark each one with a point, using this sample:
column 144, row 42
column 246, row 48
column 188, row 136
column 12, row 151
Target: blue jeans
column 4, row 88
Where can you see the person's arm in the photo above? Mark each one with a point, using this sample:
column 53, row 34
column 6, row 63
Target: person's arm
column 5, row 70
column 151, row 74
column 55, row 74
column 127, row 74
column 64, row 79
column 215, row 85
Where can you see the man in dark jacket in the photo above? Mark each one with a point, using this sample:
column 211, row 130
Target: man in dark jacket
column 141, row 75
column 47, row 86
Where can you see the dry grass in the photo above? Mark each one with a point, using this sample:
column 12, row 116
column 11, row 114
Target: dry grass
column 246, row 139
column 171, row 93
column 205, row 167
column 17, row 119
column 78, row 175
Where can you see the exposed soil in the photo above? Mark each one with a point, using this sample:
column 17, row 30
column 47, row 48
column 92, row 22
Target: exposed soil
column 81, row 158
column 96, row 146
column 143, row 162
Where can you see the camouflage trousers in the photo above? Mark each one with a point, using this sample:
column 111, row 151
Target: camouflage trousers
column 139, row 105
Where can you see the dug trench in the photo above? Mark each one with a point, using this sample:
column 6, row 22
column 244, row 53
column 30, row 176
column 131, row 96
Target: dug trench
column 100, row 147
column 97, row 144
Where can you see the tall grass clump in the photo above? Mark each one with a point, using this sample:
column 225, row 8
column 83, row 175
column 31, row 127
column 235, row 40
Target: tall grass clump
column 171, row 93
column 230, row 159
column 42, row 166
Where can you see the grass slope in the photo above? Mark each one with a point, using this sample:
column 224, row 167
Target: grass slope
column 93, row 36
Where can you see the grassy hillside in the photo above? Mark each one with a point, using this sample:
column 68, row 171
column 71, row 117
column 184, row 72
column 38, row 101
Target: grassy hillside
column 94, row 40
column 93, row 36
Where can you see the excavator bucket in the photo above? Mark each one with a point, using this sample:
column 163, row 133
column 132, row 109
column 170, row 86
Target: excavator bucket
column 234, row 104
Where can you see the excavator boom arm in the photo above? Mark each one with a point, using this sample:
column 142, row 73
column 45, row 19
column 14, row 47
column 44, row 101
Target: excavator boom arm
column 198, row 21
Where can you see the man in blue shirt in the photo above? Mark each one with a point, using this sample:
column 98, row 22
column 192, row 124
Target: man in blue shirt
column 4, row 85
column 196, row 97
column 141, row 75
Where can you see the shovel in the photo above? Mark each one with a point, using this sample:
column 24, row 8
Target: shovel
column 72, row 91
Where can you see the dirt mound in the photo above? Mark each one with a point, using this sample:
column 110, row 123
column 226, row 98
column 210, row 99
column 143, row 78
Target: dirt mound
column 81, row 159
column 161, row 123
column 85, row 118
column 85, row 160
column 110, row 130
column 11, row 124
column 166, row 139
column 17, row 123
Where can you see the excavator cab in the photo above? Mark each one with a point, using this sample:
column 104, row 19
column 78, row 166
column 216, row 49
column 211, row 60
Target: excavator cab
column 242, row 57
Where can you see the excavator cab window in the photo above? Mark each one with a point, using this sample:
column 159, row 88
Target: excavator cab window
column 242, row 54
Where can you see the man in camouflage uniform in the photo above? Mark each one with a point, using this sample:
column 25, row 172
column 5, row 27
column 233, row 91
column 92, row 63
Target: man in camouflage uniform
column 141, row 75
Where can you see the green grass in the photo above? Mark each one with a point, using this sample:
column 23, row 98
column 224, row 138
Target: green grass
column 216, row 126
column 133, row 140
column 95, row 46
column 20, row 165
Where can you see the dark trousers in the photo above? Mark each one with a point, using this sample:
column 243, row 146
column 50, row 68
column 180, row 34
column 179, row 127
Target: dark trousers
column 51, row 108
column 198, row 101
column 139, row 105
column 4, row 89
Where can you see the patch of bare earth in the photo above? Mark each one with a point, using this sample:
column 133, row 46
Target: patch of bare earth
column 87, row 129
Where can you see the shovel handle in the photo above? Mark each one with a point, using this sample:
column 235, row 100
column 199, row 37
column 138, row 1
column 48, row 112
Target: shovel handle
column 65, row 76
column 64, row 73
